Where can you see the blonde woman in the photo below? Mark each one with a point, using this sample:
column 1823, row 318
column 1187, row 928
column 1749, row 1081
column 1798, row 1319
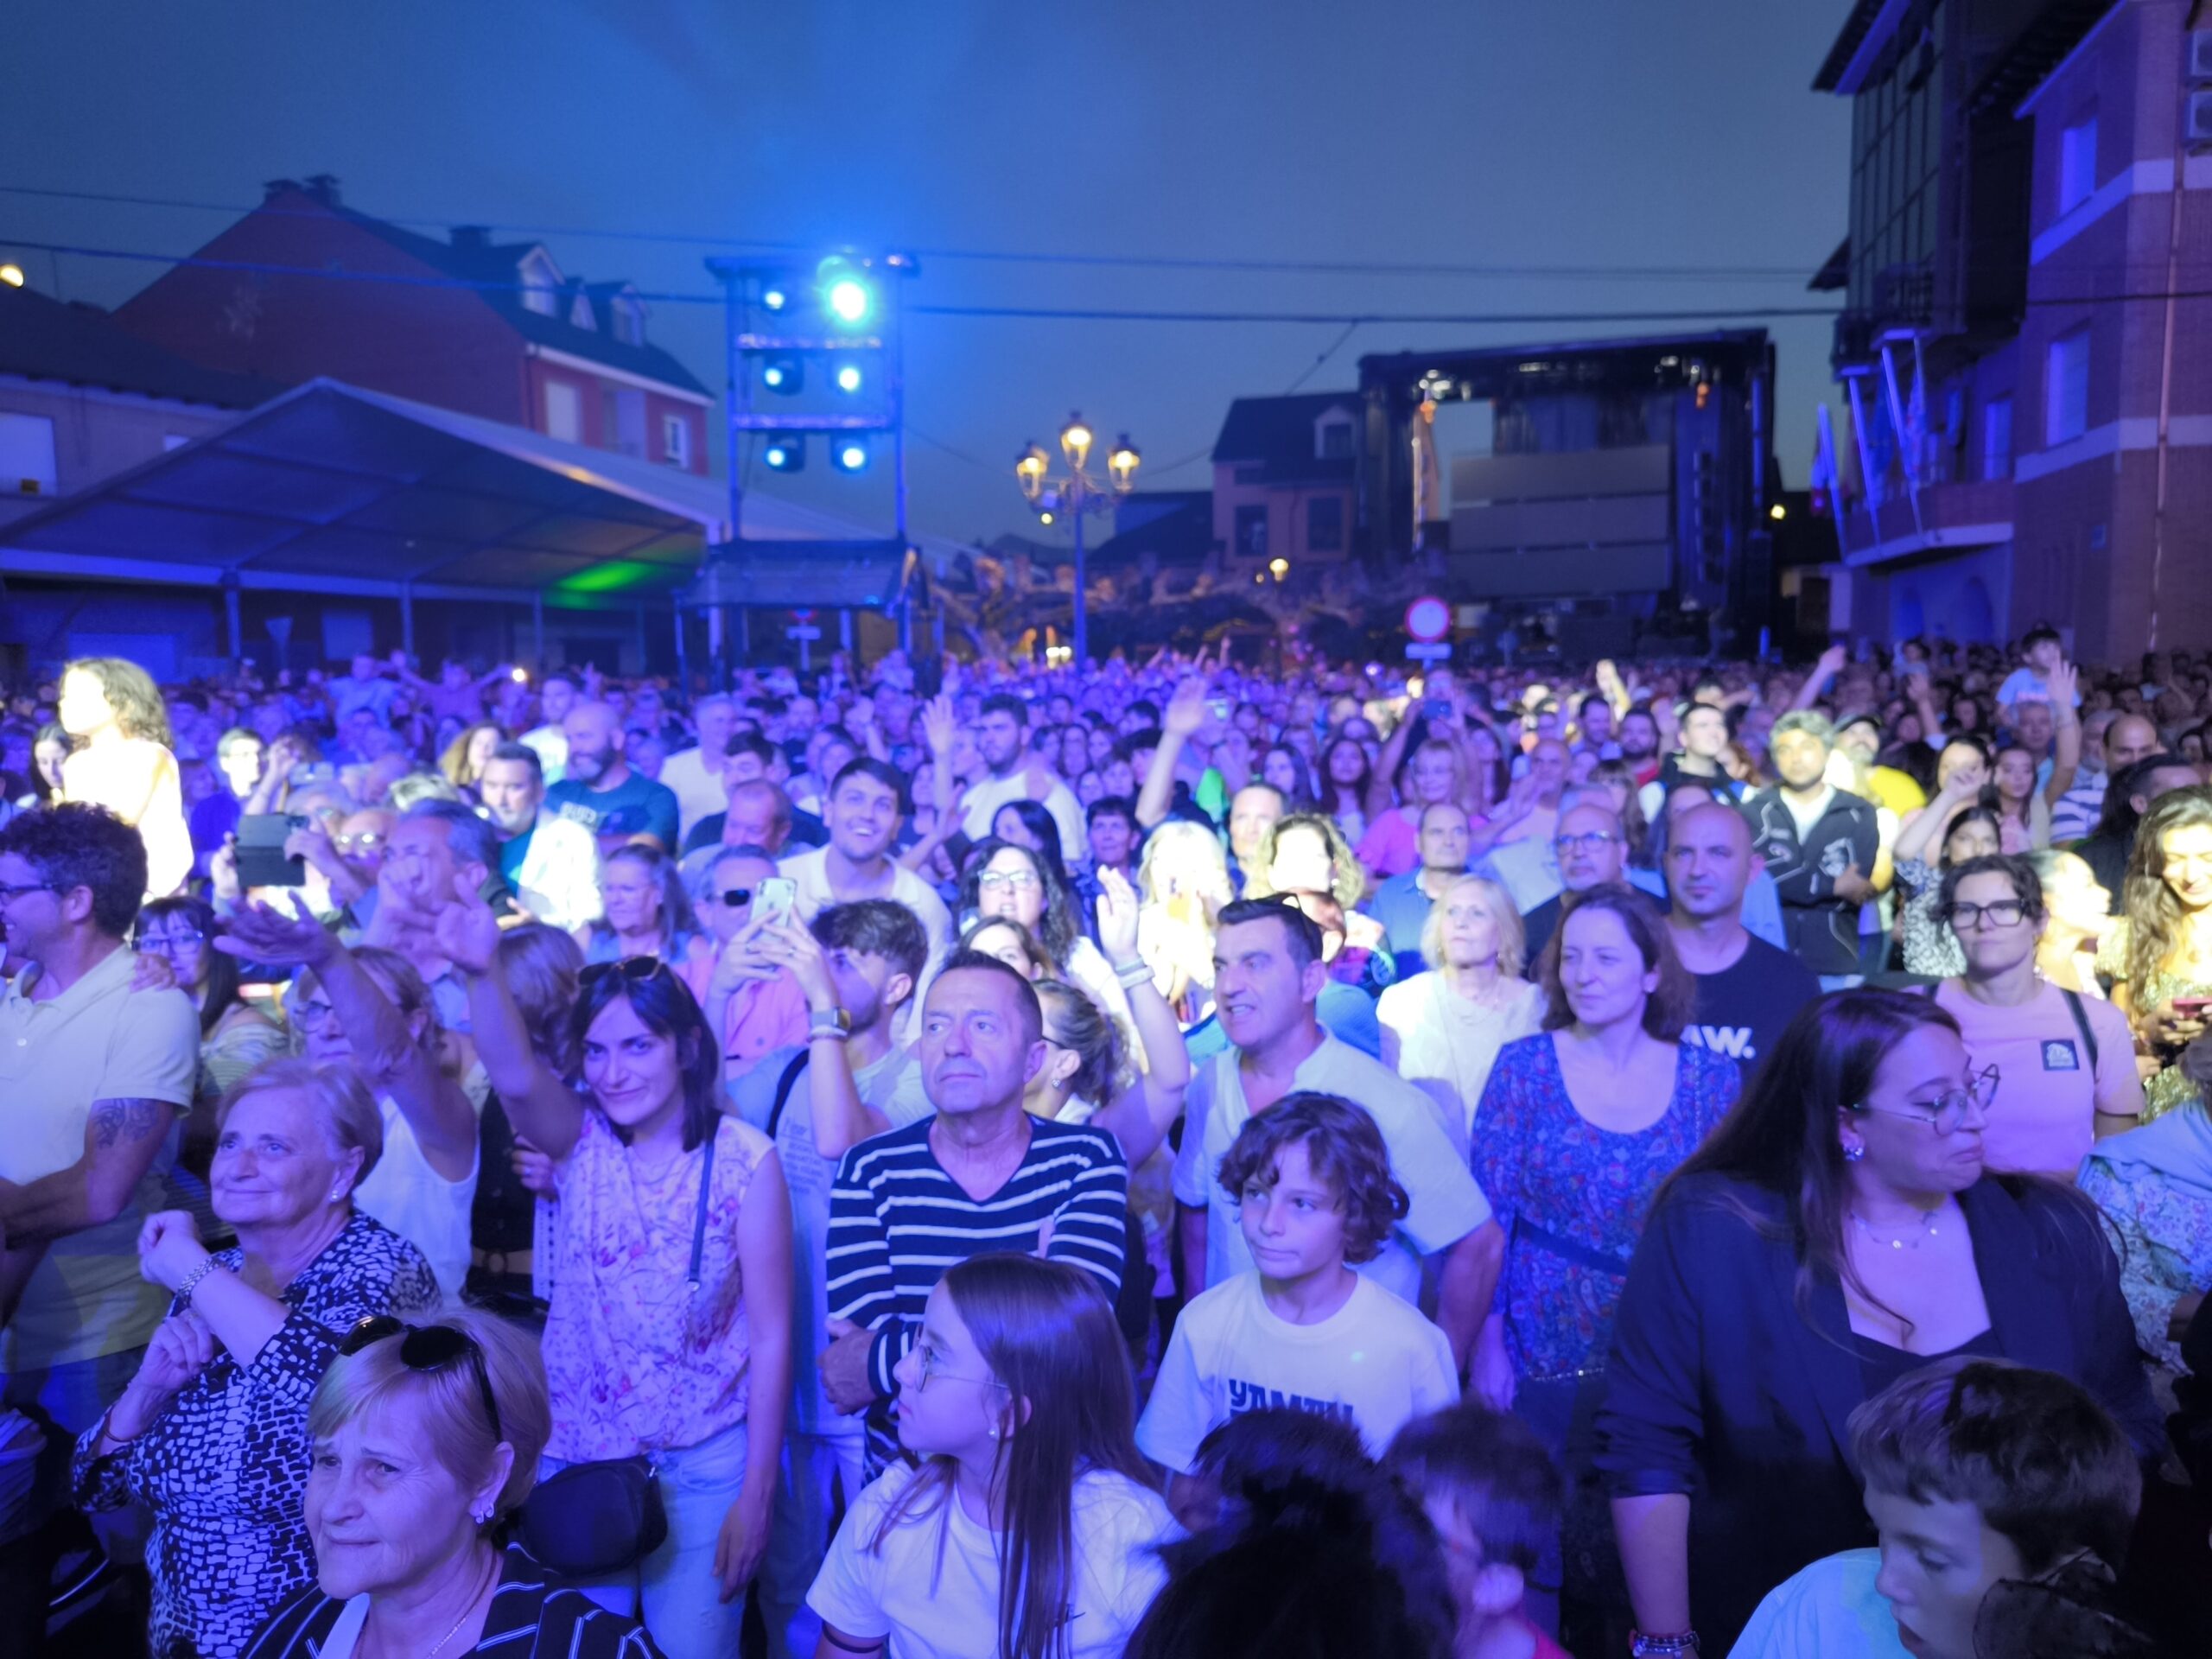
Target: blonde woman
column 1442, row 1030
column 1183, row 882
column 112, row 711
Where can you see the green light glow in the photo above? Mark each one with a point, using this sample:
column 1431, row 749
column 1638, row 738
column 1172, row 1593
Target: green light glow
column 612, row 577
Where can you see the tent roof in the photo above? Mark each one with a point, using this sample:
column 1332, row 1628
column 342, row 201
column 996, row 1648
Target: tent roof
column 332, row 488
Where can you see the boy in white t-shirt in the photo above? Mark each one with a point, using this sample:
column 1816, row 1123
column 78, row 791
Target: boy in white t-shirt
column 1311, row 1179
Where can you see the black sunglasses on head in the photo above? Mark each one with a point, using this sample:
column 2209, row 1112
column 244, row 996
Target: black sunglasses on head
column 636, row 969
column 427, row 1348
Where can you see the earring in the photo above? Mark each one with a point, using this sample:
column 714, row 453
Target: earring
column 995, row 1433
column 1853, row 1151
column 336, row 1193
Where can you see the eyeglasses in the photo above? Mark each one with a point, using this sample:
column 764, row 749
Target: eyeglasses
column 926, row 1367
column 736, row 898
column 426, row 1348
column 1015, row 880
column 1588, row 842
column 1964, row 917
column 11, row 890
column 636, row 969
column 1946, row 1111
column 366, row 840
column 185, row 938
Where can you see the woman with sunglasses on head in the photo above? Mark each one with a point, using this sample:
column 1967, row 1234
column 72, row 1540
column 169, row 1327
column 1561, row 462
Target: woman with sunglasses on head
column 212, row 1432
column 1030, row 1528
column 1838, row 1229
column 669, row 1333
column 425, row 1441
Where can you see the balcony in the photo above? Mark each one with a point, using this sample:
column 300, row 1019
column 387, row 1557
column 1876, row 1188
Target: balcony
column 1947, row 518
column 1904, row 303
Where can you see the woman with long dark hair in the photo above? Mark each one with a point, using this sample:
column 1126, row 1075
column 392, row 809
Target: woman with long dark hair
column 1008, row 879
column 1836, row 1232
column 2159, row 951
column 668, row 1331
column 1030, row 1528
column 1346, row 779
column 113, row 713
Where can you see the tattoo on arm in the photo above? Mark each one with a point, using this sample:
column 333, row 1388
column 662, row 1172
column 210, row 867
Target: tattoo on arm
column 123, row 1121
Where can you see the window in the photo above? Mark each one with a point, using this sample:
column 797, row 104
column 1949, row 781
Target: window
column 1997, row 438
column 580, row 313
column 2066, row 388
column 622, row 421
column 676, row 441
column 540, row 284
column 26, row 456
column 1252, row 532
column 1324, row 524
column 2077, row 163
column 564, row 412
column 629, row 323
column 1333, row 438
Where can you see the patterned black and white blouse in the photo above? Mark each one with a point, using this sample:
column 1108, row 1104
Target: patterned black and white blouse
column 224, row 1468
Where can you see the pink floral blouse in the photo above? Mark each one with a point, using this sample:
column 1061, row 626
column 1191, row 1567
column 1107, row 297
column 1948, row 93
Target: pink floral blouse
column 636, row 1360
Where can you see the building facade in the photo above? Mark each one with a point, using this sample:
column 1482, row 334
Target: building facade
column 2026, row 368
column 495, row 329
column 1285, row 482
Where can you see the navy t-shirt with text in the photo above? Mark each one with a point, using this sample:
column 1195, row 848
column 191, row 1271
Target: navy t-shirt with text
column 636, row 806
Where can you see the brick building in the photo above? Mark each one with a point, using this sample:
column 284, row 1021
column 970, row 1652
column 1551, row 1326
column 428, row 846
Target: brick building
column 1285, row 480
column 2025, row 354
column 524, row 343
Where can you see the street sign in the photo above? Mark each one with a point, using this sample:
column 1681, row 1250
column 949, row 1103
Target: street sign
column 1428, row 619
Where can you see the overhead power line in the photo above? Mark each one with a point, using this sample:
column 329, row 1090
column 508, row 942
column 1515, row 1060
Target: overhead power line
column 1794, row 273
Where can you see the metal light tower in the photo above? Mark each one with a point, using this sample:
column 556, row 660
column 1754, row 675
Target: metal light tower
column 1075, row 494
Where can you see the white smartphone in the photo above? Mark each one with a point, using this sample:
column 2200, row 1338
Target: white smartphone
column 772, row 902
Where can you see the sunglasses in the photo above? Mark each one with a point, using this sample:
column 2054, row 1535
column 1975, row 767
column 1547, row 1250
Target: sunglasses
column 736, row 898
column 426, row 1349
column 636, row 969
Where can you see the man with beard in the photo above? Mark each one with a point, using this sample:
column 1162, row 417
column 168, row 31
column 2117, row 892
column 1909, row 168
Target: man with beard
column 602, row 793
column 1002, row 737
column 551, row 863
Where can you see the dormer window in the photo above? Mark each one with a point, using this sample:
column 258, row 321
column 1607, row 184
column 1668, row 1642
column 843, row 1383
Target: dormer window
column 580, row 313
column 1332, row 435
column 541, row 284
column 629, row 319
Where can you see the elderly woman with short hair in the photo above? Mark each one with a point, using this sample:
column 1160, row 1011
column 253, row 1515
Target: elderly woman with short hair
column 211, row 1432
column 425, row 1440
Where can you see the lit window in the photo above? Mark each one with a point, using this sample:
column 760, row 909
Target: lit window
column 2066, row 388
column 26, row 456
column 2077, row 163
column 541, row 284
column 676, row 441
column 564, row 412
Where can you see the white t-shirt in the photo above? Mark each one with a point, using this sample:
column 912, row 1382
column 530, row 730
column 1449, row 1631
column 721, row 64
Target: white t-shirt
column 1375, row 1362
column 699, row 794
column 946, row 1606
column 1446, row 1044
column 809, row 871
column 987, row 795
column 1446, row 1204
column 428, row 1211
column 1828, row 1611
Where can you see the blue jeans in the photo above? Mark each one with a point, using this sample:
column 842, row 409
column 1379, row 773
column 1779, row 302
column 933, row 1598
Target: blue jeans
column 673, row 1592
column 815, row 1466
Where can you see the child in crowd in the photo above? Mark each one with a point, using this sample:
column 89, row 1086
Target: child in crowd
column 2002, row 1497
column 1314, row 1184
column 1491, row 1493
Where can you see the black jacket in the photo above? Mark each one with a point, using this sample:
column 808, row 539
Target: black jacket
column 1823, row 929
column 1716, row 1387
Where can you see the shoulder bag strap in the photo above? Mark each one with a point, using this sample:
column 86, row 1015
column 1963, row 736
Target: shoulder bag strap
column 784, row 1088
column 705, row 1191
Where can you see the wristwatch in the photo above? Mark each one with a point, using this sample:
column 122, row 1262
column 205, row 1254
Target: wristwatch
column 825, row 1019
column 1641, row 1646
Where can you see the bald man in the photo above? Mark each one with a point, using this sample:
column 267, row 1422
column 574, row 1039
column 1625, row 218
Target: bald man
column 1593, row 849
column 1747, row 990
column 601, row 792
column 2107, row 752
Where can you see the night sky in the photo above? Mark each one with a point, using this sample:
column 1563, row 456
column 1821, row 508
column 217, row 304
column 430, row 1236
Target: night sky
column 1512, row 133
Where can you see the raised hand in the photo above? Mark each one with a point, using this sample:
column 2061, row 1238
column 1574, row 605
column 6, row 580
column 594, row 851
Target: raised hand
column 261, row 934
column 181, row 1347
column 1186, row 711
column 467, row 933
column 940, row 725
column 789, row 943
column 168, row 1249
column 1117, row 917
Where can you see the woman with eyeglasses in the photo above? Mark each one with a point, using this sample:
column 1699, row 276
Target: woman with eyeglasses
column 669, row 1333
column 234, row 1035
column 1028, row 1527
column 212, row 1432
column 1019, row 884
column 2067, row 1061
column 649, row 914
column 425, row 1440
column 1838, row 1229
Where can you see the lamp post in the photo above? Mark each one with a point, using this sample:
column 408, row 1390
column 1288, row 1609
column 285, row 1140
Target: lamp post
column 1078, row 491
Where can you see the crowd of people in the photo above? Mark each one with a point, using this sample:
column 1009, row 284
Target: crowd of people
column 1179, row 1158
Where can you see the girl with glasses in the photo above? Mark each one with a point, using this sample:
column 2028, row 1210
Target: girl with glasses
column 212, row 1432
column 669, row 1329
column 1029, row 1527
column 1838, row 1229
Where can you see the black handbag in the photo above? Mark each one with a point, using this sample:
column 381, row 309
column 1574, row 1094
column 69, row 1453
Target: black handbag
column 594, row 1519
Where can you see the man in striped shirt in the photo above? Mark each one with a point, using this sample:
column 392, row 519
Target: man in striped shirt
column 981, row 1176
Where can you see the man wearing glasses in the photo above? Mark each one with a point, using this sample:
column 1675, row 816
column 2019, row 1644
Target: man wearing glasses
column 550, row 863
column 1593, row 849
column 95, row 1078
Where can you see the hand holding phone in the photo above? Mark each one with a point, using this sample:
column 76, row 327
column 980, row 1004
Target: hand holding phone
column 772, row 902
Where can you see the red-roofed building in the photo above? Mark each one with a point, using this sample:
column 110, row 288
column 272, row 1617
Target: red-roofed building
column 495, row 329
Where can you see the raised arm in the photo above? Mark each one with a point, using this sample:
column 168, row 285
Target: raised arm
column 939, row 726
column 2067, row 719
column 1382, row 779
column 541, row 1107
column 1184, row 713
column 841, row 1118
column 1829, row 666
column 1140, row 1116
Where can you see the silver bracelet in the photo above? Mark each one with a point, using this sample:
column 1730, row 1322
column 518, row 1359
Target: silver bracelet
column 191, row 1282
column 1132, row 976
column 836, row 1032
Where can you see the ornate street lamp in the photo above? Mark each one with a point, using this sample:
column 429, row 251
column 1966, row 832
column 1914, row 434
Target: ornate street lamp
column 1075, row 494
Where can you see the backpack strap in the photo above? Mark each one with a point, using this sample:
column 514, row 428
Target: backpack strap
column 2081, row 1024
column 705, row 1191
column 784, row 1085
